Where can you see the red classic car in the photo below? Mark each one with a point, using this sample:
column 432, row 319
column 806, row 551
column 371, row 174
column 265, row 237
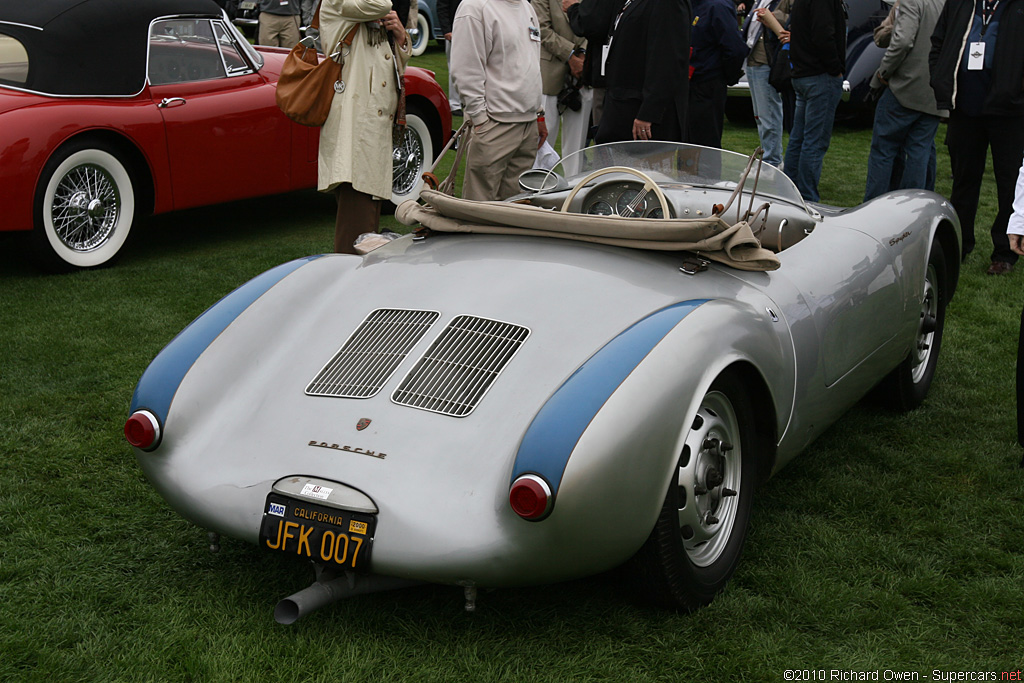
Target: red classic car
column 113, row 109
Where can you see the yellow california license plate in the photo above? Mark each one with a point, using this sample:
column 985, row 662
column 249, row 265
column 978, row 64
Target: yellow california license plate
column 321, row 533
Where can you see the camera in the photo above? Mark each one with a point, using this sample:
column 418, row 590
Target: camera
column 570, row 98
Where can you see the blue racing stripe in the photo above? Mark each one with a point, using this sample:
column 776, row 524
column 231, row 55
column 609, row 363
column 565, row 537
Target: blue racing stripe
column 161, row 379
column 555, row 431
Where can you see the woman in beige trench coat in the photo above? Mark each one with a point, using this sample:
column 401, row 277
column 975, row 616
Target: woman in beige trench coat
column 355, row 142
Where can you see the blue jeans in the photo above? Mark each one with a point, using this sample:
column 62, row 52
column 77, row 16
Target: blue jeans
column 767, row 104
column 816, row 101
column 900, row 131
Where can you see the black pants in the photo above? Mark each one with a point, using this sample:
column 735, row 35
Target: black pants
column 968, row 139
column 617, row 122
column 706, row 114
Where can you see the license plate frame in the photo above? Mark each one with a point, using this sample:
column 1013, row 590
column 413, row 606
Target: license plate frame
column 341, row 538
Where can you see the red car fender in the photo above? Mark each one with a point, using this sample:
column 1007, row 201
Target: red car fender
column 25, row 150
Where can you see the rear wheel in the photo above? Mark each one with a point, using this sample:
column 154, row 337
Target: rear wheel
column 697, row 541
column 410, row 158
column 906, row 387
column 84, row 207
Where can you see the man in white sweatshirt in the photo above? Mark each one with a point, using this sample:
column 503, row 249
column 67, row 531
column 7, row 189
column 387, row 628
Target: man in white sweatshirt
column 495, row 66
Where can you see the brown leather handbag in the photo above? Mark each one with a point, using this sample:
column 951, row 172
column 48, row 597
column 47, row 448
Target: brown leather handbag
column 306, row 87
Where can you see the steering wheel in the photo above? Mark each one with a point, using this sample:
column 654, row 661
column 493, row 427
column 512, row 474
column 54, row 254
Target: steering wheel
column 649, row 185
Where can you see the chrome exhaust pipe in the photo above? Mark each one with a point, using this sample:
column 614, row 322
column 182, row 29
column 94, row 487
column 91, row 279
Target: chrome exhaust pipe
column 321, row 593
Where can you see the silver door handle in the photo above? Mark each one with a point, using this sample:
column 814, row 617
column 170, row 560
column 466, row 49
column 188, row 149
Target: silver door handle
column 171, row 101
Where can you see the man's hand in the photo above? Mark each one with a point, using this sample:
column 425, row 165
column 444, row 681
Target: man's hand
column 542, row 132
column 641, row 130
column 1017, row 243
column 393, row 24
column 576, row 65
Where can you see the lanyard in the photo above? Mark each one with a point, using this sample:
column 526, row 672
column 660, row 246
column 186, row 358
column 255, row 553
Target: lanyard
column 987, row 12
column 615, row 24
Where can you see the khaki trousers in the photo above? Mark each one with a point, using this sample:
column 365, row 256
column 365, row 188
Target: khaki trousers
column 279, row 30
column 498, row 153
column 358, row 212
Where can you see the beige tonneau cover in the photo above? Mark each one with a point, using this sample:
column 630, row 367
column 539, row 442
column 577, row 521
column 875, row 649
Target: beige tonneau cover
column 713, row 238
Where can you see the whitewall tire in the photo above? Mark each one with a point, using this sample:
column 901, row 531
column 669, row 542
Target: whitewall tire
column 85, row 207
column 419, row 45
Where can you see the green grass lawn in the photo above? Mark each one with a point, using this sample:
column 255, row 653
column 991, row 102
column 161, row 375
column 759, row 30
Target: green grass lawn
column 894, row 543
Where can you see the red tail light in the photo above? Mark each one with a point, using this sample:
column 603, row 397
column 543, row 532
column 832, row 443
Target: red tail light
column 143, row 430
column 530, row 497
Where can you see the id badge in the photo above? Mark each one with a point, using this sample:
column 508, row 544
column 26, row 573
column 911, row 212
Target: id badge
column 604, row 55
column 535, row 34
column 976, row 57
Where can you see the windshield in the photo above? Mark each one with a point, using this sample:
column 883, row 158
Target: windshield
column 674, row 163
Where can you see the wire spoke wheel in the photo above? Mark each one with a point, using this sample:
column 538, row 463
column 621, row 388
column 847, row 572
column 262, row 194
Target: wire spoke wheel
column 86, row 206
column 410, row 158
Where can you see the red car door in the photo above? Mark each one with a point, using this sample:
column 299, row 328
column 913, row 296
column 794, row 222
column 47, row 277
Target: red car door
column 226, row 138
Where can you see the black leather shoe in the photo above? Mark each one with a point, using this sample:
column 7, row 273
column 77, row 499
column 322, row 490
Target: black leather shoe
column 1000, row 268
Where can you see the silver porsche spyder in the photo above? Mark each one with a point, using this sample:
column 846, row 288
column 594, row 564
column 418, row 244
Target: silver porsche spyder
column 597, row 372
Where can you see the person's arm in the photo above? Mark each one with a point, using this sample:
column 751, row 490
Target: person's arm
column 1015, row 226
column 592, row 18
column 901, row 42
column 551, row 42
column 668, row 58
column 444, row 17
column 469, row 50
column 361, row 10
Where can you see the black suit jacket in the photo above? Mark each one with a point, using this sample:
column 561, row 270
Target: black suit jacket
column 647, row 71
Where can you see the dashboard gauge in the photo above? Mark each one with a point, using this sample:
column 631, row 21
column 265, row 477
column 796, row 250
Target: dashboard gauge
column 656, row 213
column 601, row 208
column 630, row 204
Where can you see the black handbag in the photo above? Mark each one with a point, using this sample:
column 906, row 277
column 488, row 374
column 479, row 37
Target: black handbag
column 781, row 75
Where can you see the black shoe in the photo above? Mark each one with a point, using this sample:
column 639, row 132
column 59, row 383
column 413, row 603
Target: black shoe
column 999, row 268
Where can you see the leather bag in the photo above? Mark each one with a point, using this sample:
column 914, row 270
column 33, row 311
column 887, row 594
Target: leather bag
column 306, row 87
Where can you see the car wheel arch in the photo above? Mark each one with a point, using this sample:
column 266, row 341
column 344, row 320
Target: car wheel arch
column 137, row 163
column 425, row 109
column 86, row 200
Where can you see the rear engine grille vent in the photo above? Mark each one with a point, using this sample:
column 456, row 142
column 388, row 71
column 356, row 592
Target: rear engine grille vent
column 370, row 356
column 460, row 366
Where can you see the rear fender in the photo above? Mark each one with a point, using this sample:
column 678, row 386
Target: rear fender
column 613, row 485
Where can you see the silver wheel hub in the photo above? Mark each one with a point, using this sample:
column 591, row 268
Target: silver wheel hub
column 86, row 207
column 709, row 480
column 926, row 327
column 407, row 162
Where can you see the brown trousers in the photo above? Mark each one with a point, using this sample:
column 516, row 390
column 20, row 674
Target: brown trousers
column 358, row 212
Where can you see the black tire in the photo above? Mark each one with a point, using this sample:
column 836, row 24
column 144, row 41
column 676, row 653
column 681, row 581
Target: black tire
column 697, row 541
column 411, row 158
column 906, row 387
column 84, row 207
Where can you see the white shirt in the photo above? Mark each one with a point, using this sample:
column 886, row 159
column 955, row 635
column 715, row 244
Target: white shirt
column 1016, row 224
